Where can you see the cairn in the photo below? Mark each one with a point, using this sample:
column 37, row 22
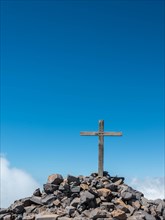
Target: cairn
column 83, row 198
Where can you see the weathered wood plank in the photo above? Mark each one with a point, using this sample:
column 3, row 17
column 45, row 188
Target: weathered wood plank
column 88, row 133
column 112, row 133
column 101, row 148
column 101, row 135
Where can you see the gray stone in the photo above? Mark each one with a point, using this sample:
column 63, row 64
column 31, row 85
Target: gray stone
column 86, row 213
column 7, row 217
column 29, row 217
column 70, row 210
column 119, row 214
column 123, row 208
column 73, row 179
column 163, row 213
column 3, row 211
column 26, row 201
column 136, row 204
column 144, row 201
column 17, row 207
column 107, row 205
column 48, row 199
column 91, row 204
column 2, row 215
column 36, row 200
column 37, row 192
column 47, row 217
column 75, row 202
column 139, row 215
column 79, row 218
column 159, row 209
column 94, row 183
column 97, row 213
column 134, row 218
column 148, row 216
column 61, row 188
column 29, row 209
column 111, row 186
column 138, row 195
column 86, row 196
column 81, row 207
column 65, row 202
column 99, row 185
column 94, row 175
column 50, row 188
column 19, row 217
column 75, row 189
column 64, row 188
column 158, row 201
column 64, row 218
column 115, row 194
column 126, row 195
column 131, row 209
column 152, row 210
column 115, row 179
column 55, row 179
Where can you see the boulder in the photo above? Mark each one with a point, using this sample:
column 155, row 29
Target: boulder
column 50, row 188
column 104, row 192
column 55, row 179
column 70, row 210
column 36, row 200
column 97, row 213
column 119, row 214
column 86, row 197
column 75, row 202
column 17, row 207
column 126, row 195
column 73, row 179
column 48, row 199
column 37, row 192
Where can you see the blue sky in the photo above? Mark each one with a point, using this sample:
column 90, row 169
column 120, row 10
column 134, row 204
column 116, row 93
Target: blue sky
column 67, row 64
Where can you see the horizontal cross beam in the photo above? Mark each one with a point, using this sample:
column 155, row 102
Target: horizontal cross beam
column 88, row 133
column 100, row 133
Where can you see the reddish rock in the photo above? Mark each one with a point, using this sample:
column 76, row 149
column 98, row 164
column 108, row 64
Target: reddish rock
column 104, row 192
column 55, row 179
column 119, row 214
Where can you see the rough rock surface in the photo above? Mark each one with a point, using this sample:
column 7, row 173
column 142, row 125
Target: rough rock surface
column 82, row 198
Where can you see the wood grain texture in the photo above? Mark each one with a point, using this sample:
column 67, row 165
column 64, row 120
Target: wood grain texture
column 101, row 149
column 100, row 133
column 96, row 133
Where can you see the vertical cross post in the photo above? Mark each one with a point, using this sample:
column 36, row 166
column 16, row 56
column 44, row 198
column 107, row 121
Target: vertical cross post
column 100, row 133
column 101, row 148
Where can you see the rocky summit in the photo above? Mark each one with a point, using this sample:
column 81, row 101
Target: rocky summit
column 85, row 197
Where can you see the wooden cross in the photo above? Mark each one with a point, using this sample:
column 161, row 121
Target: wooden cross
column 101, row 135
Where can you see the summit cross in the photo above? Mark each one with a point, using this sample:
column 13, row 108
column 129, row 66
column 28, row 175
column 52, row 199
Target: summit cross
column 101, row 135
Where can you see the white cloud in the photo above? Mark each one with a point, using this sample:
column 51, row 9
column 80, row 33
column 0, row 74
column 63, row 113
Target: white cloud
column 14, row 184
column 152, row 188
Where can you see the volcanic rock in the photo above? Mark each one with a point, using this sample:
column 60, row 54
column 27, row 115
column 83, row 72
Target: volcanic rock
column 50, row 188
column 85, row 198
column 119, row 214
column 55, row 179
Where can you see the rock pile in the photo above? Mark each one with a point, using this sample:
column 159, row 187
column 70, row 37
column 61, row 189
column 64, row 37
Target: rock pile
column 82, row 198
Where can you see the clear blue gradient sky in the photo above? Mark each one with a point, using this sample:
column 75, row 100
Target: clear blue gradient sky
column 67, row 64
